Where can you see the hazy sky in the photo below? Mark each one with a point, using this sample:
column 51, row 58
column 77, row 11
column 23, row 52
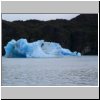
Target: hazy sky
column 12, row 17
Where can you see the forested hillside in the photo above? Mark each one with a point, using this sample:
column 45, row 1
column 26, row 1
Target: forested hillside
column 78, row 34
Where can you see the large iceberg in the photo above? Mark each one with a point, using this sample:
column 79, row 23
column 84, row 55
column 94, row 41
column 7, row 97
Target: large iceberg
column 40, row 48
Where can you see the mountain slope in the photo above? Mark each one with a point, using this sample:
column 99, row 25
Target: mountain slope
column 80, row 33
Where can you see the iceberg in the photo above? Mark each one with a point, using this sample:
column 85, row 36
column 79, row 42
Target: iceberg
column 40, row 48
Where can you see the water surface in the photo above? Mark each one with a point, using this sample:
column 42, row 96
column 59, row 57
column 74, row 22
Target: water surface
column 67, row 71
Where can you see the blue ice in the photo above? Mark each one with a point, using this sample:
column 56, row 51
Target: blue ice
column 40, row 48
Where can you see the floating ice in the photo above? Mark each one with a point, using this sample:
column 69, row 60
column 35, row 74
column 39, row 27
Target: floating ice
column 40, row 48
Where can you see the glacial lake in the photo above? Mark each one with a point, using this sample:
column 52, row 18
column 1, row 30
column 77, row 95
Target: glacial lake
column 66, row 71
